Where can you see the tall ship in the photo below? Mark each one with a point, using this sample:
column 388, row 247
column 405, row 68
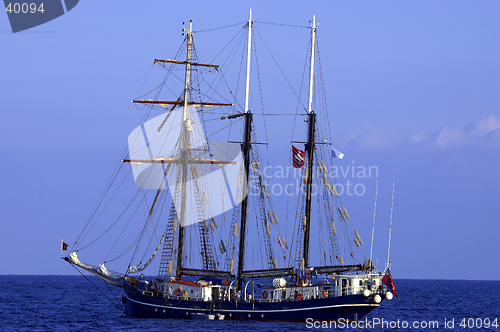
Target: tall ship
column 200, row 206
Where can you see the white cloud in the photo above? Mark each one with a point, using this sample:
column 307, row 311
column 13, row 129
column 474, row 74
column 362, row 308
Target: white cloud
column 485, row 132
column 417, row 138
column 487, row 125
column 449, row 137
column 372, row 138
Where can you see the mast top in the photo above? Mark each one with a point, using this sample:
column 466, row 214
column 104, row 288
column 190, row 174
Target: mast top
column 311, row 77
column 190, row 27
column 249, row 51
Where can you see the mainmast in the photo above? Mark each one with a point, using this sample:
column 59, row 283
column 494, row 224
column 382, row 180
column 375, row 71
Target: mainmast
column 246, row 147
column 310, row 147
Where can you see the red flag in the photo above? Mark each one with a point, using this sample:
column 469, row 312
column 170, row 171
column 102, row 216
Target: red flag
column 65, row 246
column 297, row 157
column 387, row 279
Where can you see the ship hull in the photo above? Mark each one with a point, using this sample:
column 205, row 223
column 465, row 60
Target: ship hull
column 349, row 307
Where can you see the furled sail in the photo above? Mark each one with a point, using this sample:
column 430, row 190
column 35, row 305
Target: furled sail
column 113, row 278
column 214, row 168
column 137, row 268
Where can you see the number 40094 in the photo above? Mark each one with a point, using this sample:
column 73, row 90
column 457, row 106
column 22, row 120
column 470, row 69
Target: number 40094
column 24, row 8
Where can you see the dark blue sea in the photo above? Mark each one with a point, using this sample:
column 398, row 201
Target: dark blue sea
column 78, row 303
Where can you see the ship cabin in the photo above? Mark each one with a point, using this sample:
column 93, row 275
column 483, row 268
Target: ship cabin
column 326, row 287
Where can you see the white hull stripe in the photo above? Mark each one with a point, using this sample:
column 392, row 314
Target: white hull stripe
column 259, row 310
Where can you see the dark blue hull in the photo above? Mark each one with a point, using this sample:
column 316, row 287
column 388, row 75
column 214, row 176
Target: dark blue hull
column 349, row 307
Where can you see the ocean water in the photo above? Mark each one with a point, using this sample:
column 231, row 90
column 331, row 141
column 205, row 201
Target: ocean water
column 78, row 303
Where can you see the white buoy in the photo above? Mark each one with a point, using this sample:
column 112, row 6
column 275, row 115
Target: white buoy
column 377, row 299
column 389, row 296
column 367, row 292
column 279, row 282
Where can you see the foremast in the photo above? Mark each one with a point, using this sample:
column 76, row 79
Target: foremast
column 185, row 159
column 184, row 151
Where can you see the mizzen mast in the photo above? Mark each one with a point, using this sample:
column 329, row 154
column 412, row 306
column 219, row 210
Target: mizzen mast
column 310, row 147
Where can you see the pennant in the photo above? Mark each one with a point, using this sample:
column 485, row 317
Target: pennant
column 337, row 154
column 65, row 246
column 387, row 279
column 297, row 157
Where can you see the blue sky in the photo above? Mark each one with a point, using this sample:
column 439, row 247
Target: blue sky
column 412, row 87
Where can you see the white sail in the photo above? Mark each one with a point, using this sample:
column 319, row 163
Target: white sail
column 146, row 142
column 154, row 149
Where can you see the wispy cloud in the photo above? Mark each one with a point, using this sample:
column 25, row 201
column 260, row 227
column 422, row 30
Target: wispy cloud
column 485, row 132
column 448, row 137
column 487, row 125
column 372, row 138
column 419, row 137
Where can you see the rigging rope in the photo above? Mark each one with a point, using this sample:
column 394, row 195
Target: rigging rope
column 115, row 304
column 101, row 214
column 224, row 27
column 285, row 25
column 281, row 70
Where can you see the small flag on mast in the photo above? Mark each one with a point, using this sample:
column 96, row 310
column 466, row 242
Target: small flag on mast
column 297, row 157
column 64, row 246
column 337, row 154
column 387, row 279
